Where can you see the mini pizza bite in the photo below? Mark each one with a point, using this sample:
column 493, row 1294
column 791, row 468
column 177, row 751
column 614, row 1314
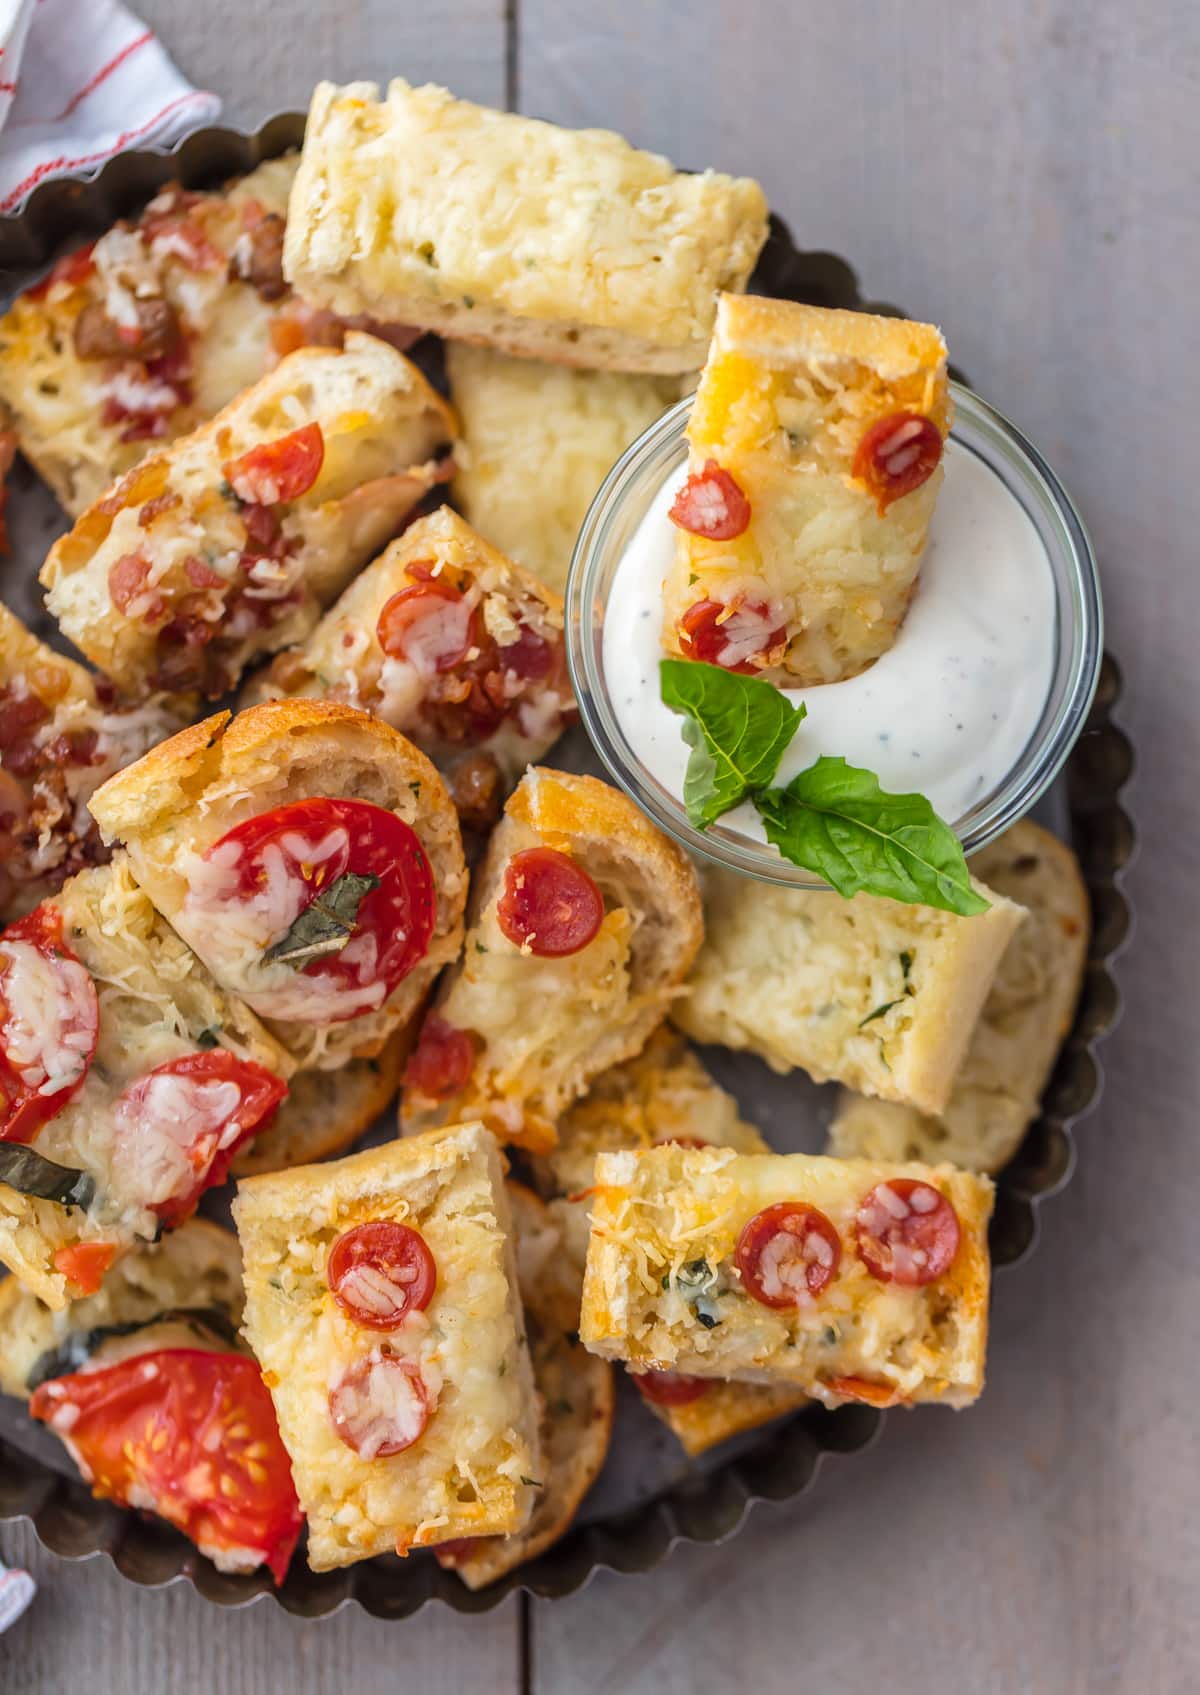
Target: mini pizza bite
column 128, row 1082
column 560, row 244
column 452, row 644
column 311, row 856
column 519, row 416
column 583, row 922
column 150, row 1391
column 850, row 1280
column 326, row 1112
column 816, row 442
column 61, row 734
column 381, row 1301
column 1024, row 1021
column 868, row 992
column 575, row 1399
column 230, row 542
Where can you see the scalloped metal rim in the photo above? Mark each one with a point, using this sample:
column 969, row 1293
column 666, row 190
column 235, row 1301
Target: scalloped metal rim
column 710, row 1505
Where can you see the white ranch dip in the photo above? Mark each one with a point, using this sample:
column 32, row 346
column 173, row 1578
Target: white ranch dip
column 947, row 712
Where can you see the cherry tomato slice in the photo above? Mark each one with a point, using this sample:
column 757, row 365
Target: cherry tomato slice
column 441, row 1063
column 380, row 1272
column 735, row 639
column 549, row 905
column 896, row 455
column 314, row 842
column 787, row 1254
column 191, row 1433
column 84, row 1264
column 711, row 504
column 669, row 1388
column 178, row 1128
column 278, row 470
column 381, row 1406
column 49, row 1024
column 428, row 624
column 907, row 1232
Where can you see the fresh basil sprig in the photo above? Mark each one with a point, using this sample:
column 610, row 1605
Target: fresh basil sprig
column 833, row 818
column 31, row 1173
column 326, row 924
column 737, row 734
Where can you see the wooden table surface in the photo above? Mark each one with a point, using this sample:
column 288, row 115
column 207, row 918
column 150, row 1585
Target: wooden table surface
column 1026, row 173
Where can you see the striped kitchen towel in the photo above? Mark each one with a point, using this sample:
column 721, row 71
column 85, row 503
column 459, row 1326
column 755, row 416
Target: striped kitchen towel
column 79, row 81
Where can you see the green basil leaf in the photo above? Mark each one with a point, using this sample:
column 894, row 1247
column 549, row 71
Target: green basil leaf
column 327, row 924
column 30, row 1174
column 835, row 819
column 737, row 728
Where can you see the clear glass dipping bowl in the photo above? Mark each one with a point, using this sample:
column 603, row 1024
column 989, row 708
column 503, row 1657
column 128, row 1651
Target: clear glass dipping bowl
column 619, row 508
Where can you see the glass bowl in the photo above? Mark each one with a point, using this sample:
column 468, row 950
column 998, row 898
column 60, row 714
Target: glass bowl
column 622, row 502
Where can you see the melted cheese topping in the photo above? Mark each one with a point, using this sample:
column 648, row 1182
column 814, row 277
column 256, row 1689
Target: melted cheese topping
column 50, row 1020
column 157, row 1131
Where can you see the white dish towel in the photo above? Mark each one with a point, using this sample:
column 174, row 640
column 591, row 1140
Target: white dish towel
column 79, row 81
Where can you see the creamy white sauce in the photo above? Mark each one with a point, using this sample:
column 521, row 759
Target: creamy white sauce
column 947, row 711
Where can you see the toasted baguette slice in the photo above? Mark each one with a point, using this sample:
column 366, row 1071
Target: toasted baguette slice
column 61, row 735
column 479, row 683
column 326, row 1111
column 665, row 1287
column 721, row 1410
column 521, row 415
column 207, row 265
column 868, row 992
column 467, row 1471
column 541, row 1028
column 815, row 586
column 156, row 1005
column 179, row 577
column 183, row 797
column 194, row 1275
column 560, row 244
column 575, row 1395
column 1023, row 1023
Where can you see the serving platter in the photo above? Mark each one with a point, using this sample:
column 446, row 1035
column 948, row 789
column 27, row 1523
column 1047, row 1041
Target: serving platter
column 649, row 1496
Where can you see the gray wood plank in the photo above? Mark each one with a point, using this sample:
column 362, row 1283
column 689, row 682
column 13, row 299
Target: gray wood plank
column 89, row 1628
column 263, row 57
column 1025, row 174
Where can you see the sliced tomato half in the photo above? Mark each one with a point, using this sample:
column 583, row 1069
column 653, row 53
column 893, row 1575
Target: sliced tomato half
column 49, row 1024
column 192, row 1434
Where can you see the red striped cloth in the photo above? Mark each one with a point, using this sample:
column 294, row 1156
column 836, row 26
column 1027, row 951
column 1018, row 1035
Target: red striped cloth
column 79, row 81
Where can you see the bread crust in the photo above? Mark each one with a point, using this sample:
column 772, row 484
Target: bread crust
column 603, row 256
column 186, row 794
column 327, row 1111
column 525, row 1076
column 1021, row 1027
column 381, row 425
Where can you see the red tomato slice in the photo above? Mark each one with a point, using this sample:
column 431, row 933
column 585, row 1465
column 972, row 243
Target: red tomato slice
column 194, row 1434
column 179, row 1127
column 669, row 1388
column 84, row 1264
column 711, row 632
column 382, row 1405
column 49, row 1024
column 278, row 470
column 907, row 1232
column 549, row 905
column 441, row 1063
column 859, row 1389
column 711, row 504
column 429, row 625
column 380, row 1272
column 897, row 454
column 787, row 1254
column 313, row 843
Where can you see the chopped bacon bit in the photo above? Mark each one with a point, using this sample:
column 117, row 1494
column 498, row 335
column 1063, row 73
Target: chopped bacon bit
column 84, row 1264
column 201, row 575
column 441, row 1063
column 20, row 715
column 128, row 591
column 279, row 470
column 742, row 638
column 896, row 455
column 711, row 504
column 549, row 905
column 258, row 255
column 156, row 334
column 155, row 508
column 74, row 747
